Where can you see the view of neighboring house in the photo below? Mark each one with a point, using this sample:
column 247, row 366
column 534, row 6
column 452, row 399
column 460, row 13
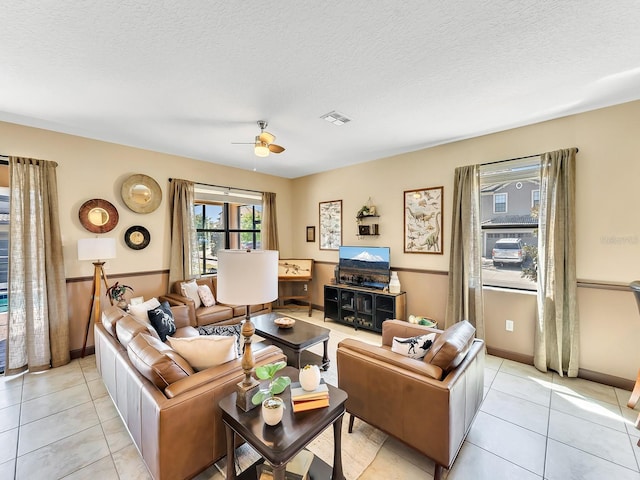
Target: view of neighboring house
column 506, row 212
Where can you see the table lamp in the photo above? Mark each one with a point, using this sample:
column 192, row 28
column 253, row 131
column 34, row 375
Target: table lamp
column 247, row 277
column 96, row 249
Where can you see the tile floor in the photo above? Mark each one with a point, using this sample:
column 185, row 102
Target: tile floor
column 62, row 424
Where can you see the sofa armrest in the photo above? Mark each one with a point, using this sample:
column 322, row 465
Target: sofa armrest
column 263, row 356
column 181, row 316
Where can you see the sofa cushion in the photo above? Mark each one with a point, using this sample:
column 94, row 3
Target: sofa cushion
column 128, row 328
column 413, row 347
column 190, row 290
column 216, row 313
column 110, row 317
column 451, row 346
column 161, row 319
column 156, row 361
column 225, row 330
column 206, row 295
column 139, row 311
column 206, row 351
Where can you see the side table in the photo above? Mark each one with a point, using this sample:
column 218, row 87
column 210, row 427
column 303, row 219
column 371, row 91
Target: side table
column 280, row 443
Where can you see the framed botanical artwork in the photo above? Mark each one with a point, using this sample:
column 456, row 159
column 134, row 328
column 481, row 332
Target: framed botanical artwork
column 330, row 225
column 311, row 234
column 423, row 220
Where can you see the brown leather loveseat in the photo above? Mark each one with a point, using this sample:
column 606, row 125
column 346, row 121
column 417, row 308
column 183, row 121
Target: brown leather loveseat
column 427, row 404
column 170, row 410
column 219, row 313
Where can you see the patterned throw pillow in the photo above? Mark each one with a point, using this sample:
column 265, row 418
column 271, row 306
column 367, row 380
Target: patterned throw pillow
column 206, row 295
column 190, row 290
column 161, row 318
column 413, row 347
column 226, row 330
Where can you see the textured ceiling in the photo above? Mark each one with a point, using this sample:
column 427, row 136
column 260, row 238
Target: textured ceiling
column 191, row 77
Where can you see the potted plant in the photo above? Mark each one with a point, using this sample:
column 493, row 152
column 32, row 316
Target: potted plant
column 272, row 406
column 117, row 292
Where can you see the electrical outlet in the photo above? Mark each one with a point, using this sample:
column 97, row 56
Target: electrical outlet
column 305, row 287
column 509, row 326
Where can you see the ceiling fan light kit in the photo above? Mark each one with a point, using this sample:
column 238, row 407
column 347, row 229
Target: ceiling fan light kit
column 264, row 142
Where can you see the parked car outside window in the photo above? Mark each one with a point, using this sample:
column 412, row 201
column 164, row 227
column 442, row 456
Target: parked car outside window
column 508, row 251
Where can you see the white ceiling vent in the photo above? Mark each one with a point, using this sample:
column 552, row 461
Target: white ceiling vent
column 336, row 118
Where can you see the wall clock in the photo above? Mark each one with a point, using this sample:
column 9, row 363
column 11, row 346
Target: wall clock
column 137, row 237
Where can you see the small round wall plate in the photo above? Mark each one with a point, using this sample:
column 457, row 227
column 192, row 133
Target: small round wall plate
column 98, row 216
column 137, row 237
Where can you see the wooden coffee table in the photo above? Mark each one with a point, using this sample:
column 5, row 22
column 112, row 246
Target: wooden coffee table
column 280, row 443
column 294, row 341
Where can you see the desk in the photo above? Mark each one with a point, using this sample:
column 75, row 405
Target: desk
column 280, row 443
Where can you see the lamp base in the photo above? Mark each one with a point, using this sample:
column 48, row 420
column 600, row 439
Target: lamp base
column 244, row 395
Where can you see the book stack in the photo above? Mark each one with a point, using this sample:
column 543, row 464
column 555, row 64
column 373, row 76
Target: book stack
column 303, row 400
column 296, row 469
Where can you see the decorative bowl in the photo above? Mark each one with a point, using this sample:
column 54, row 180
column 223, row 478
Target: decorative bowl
column 284, row 322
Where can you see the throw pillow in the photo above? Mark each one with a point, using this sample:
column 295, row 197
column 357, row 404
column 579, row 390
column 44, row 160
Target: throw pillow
column 190, row 290
column 139, row 312
column 205, row 351
column 413, row 347
column 206, row 295
column 161, row 318
column 225, row 330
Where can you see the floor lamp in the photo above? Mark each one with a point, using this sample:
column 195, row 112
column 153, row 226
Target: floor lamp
column 247, row 277
column 96, row 249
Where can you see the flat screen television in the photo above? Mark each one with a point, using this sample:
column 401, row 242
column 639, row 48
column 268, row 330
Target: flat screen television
column 364, row 266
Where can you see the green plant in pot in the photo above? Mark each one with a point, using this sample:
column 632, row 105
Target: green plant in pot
column 272, row 406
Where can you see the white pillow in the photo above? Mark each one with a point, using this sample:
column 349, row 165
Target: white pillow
column 139, row 312
column 190, row 290
column 206, row 295
column 413, row 347
column 205, row 351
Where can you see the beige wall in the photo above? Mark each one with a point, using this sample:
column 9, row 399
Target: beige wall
column 93, row 169
column 608, row 236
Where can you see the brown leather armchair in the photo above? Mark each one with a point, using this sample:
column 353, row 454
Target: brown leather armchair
column 428, row 405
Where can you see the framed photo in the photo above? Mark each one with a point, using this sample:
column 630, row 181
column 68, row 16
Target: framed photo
column 295, row 268
column 423, row 220
column 330, row 225
column 311, row 234
column 364, row 229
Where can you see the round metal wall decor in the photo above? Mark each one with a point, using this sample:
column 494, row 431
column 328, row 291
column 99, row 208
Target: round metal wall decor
column 137, row 237
column 98, row 216
column 141, row 193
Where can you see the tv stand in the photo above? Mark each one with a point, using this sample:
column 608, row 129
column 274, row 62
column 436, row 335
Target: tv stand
column 363, row 307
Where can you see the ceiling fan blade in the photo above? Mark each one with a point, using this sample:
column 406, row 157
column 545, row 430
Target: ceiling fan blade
column 242, row 143
column 276, row 148
column 266, row 137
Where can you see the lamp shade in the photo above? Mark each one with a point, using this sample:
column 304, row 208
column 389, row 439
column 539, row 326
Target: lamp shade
column 96, row 248
column 247, row 277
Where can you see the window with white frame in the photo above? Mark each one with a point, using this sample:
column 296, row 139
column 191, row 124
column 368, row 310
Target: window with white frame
column 499, row 203
column 225, row 218
column 535, row 198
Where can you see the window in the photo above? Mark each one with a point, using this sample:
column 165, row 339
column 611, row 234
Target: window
column 535, row 198
column 516, row 183
column 225, row 219
column 500, row 203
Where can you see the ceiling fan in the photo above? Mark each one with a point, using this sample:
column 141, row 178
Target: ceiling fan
column 264, row 142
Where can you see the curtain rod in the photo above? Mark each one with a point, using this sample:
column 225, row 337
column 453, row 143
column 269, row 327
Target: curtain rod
column 223, row 186
column 518, row 158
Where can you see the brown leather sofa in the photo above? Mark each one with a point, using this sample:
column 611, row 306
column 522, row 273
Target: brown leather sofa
column 427, row 404
column 170, row 411
column 219, row 313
